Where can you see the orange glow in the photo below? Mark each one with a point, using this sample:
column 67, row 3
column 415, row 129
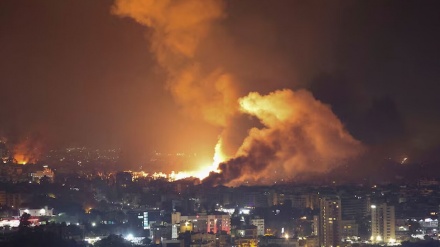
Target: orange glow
column 179, row 29
column 299, row 134
column 209, row 94
column 26, row 151
column 201, row 173
column 218, row 158
column 21, row 159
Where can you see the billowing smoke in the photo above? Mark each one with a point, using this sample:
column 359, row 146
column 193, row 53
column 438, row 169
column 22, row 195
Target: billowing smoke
column 178, row 27
column 300, row 136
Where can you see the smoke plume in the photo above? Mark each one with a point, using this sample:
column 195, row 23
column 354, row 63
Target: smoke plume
column 178, row 27
column 300, row 136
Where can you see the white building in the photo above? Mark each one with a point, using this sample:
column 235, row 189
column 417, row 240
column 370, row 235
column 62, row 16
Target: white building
column 37, row 212
column 259, row 223
column 383, row 224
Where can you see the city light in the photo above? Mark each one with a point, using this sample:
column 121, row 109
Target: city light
column 221, row 123
column 92, row 240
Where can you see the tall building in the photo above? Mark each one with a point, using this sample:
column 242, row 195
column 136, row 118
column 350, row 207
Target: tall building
column 349, row 229
column 315, row 225
column 353, row 207
column 330, row 222
column 10, row 199
column 301, row 201
column 383, row 223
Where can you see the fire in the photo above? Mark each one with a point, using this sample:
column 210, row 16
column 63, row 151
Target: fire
column 204, row 171
column 298, row 133
column 26, row 151
column 21, row 159
column 205, row 93
column 201, row 173
column 219, row 156
column 300, row 136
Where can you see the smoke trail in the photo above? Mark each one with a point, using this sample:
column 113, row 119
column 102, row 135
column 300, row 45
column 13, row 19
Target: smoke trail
column 301, row 135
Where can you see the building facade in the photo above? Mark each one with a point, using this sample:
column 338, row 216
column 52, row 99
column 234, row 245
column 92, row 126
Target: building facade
column 383, row 224
column 204, row 223
column 259, row 223
column 330, row 222
column 37, row 211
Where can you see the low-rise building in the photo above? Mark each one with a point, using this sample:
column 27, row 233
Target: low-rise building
column 46, row 172
column 37, row 211
column 259, row 223
column 205, row 223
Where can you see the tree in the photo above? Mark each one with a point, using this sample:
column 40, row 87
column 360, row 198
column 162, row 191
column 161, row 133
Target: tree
column 24, row 220
column 113, row 241
column 37, row 237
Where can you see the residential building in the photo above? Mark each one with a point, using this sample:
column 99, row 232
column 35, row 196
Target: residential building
column 330, row 222
column 383, row 223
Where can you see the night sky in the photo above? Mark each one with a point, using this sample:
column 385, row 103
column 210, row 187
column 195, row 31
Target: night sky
column 72, row 73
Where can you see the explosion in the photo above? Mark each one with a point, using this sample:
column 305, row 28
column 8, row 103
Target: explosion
column 178, row 29
column 25, row 152
column 21, row 159
column 204, row 171
column 300, row 134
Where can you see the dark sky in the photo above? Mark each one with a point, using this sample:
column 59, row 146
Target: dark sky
column 71, row 73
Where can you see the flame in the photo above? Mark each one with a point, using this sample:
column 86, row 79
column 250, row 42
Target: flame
column 201, row 173
column 205, row 170
column 299, row 133
column 21, row 159
column 218, row 158
column 26, row 152
column 178, row 28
